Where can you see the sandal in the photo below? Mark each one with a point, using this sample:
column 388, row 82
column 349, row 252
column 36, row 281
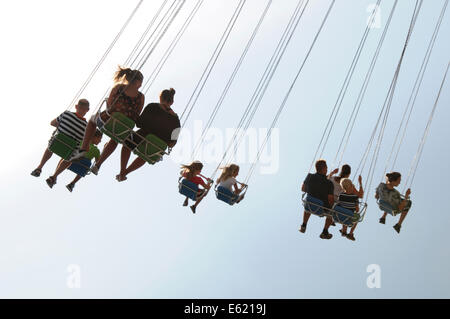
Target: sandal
column 51, row 181
column 397, row 228
column 36, row 173
column 342, row 233
column 351, row 237
column 121, row 178
column 382, row 220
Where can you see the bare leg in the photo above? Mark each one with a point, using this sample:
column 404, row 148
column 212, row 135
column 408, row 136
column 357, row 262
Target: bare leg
column 384, row 215
column 353, row 228
column 137, row 163
column 62, row 166
column 402, row 218
column 306, row 217
column 109, row 148
column 47, row 155
column 328, row 223
column 124, row 158
column 344, row 229
column 76, row 179
column 88, row 135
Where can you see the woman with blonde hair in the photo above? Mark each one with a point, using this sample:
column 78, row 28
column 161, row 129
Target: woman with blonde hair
column 227, row 180
column 192, row 173
column 349, row 199
column 124, row 98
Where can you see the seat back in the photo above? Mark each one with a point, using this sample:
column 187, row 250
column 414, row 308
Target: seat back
column 63, row 145
column 151, row 149
column 81, row 167
column 344, row 216
column 313, row 205
column 225, row 195
column 118, row 127
column 188, row 189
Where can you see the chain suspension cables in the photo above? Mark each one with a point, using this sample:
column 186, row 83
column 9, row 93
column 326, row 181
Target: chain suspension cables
column 388, row 103
column 103, row 58
column 210, row 66
column 417, row 85
column 230, row 81
column 338, row 104
column 357, row 107
column 283, row 104
column 417, row 157
column 154, row 75
column 266, row 77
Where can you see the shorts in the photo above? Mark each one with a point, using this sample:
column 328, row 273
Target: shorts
column 132, row 141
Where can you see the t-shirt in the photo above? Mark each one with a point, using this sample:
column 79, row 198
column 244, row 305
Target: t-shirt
column 196, row 180
column 228, row 183
column 155, row 120
column 348, row 201
column 392, row 196
column 71, row 125
column 318, row 186
column 93, row 152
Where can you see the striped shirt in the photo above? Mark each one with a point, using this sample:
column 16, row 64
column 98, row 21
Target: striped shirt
column 348, row 201
column 70, row 124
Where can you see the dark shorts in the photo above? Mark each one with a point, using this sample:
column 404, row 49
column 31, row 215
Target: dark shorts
column 133, row 141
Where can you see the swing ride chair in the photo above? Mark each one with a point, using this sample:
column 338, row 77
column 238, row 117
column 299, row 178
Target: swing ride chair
column 227, row 196
column 339, row 214
column 387, row 208
column 119, row 128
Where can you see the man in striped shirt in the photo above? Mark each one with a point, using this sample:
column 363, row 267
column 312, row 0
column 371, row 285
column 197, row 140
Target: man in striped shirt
column 72, row 124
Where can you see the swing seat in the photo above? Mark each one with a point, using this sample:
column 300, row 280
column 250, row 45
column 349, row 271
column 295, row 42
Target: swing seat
column 152, row 149
column 344, row 216
column 81, row 167
column 188, row 189
column 118, row 127
column 314, row 206
column 63, row 145
column 225, row 195
column 386, row 207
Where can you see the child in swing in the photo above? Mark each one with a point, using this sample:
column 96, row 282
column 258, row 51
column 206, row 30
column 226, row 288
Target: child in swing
column 192, row 173
column 228, row 180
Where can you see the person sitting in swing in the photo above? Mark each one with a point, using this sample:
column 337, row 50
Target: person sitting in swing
column 192, row 173
column 317, row 185
column 387, row 193
column 124, row 98
column 158, row 119
column 349, row 199
column 72, row 124
column 228, row 181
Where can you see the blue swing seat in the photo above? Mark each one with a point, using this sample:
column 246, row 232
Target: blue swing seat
column 386, row 207
column 81, row 167
column 188, row 189
column 314, row 205
column 344, row 216
column 225, row 195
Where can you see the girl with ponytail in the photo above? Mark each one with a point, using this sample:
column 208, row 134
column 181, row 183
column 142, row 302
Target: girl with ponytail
column 228, row 180
column 192, row 172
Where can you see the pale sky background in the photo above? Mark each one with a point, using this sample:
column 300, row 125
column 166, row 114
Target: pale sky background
column 135, row 240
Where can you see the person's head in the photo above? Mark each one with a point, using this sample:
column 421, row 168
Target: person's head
column 228, row 171
column 393, row 178
column 82, row 107
column 192, row 169
column 167, row 97
column 97, row 138
column 346, row 170
column 128, row 77
column 321, row 167
column 347, row 185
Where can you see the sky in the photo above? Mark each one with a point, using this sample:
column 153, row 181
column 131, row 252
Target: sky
column 135, row 240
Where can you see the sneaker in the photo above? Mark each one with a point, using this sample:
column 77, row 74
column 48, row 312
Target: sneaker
column 51, row 182
column 77, row 154
column 326, row 235
column 302, row 229
column 193, row 209
column 342, row 233
column 119, row 177
column 351, row 237
column 382, row 220
column 397, row 228
column 36, row 173
column 94, row 170
column 186, row 202
column 70, row 187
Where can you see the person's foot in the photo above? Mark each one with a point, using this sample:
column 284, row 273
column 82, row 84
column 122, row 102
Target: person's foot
column 94, row 169
column 240, row 198
column 397, row 228
column 70, row 187
column 186, row 202
column 333, row 224
column 344, row 234
column 36, row 173
column 77, row 154
column 351, row 237
column 193, row 208
column 302, row 229
column 119, row 178
column 326, row 235
column 51, row 181
column 382, row 220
